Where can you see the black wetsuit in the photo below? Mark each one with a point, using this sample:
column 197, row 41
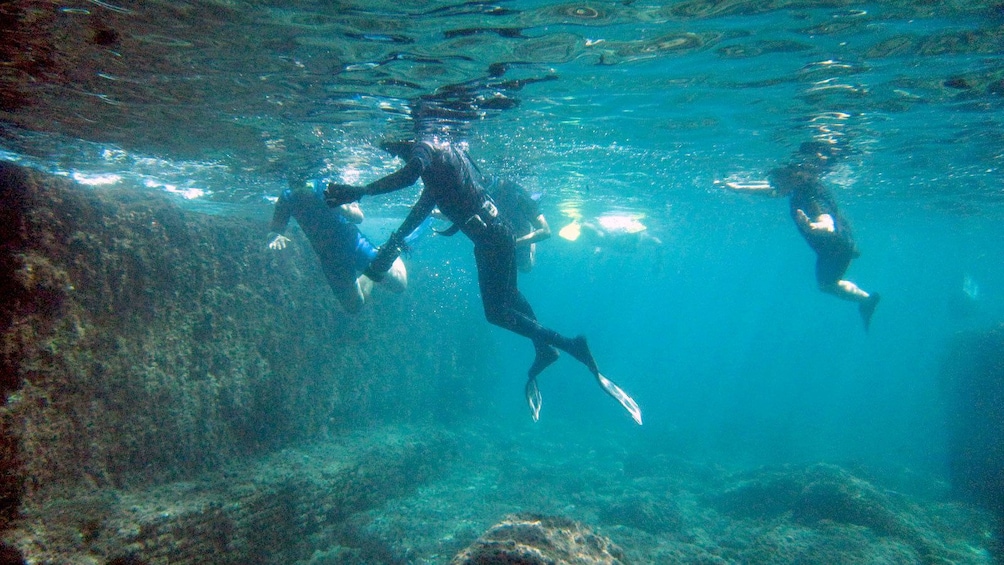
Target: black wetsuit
column 835, row 250
column 452, row 183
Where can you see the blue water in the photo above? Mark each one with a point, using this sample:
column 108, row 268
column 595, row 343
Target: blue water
column 719, row 332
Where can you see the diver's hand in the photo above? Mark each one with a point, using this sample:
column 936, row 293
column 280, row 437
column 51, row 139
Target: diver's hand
column 823, row 224
column 338, row 194
column 802, row 217
column 277, row 241
column 374, row 274
column 385, row 257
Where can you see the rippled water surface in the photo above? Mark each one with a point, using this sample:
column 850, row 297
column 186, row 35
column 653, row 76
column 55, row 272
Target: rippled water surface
column 643, row 102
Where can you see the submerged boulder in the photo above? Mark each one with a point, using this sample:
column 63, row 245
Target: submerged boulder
column 647, row 513
column 531, row 539
column 810, row 495
column 822, row 496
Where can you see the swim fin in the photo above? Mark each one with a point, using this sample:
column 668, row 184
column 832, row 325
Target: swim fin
column 626, row 401
column 533, row 398
column 867, row 308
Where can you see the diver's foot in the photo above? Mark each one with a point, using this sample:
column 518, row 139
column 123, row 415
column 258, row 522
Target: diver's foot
column 545, row 356
column 867, row 308
column 626, row 401
column 578, row 348
column 533, row 398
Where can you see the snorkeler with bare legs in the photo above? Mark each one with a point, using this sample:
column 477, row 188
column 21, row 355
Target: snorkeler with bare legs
column 342, row 250
column 815, row 213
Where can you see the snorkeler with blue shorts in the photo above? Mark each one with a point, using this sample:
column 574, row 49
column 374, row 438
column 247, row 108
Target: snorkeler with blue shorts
column 342, row 249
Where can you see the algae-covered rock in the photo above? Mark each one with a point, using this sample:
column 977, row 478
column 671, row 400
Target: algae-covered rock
column 142, row 342
column 810, row 495
column 824, row 506
column 972, row 383
column 263, row 510
column 651, row 514
column 531, row 539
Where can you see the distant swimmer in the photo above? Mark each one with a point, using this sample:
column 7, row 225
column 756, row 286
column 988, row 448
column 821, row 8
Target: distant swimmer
column 965, row 302
column 344, row 252
column 818, row 220
column 451, row 183
column 613, row 231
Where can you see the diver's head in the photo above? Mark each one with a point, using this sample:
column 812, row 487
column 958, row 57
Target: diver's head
column 398, row 148
column 818, row 154
column 789, row 178
column 300, row 183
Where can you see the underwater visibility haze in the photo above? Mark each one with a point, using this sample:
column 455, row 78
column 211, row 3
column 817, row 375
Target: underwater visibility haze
column 700, row 301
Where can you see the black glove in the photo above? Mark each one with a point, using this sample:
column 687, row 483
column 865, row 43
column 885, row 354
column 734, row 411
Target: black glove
column 388, row 253
column 338, row 194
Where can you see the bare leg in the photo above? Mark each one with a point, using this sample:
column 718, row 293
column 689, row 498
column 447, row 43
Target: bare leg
column 397, row 279
column 849, row 291
column 846, row 290
column 353, row 297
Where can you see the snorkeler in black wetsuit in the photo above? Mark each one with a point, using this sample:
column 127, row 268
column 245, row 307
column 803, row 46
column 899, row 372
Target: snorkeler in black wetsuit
column 452, row 183
column 819, row 221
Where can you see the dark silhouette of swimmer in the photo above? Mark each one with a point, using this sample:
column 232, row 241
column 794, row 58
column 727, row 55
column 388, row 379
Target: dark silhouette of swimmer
column 451, row 183
column 342, row 249
column 819, row 221
column 519, row 208
column 522, row 212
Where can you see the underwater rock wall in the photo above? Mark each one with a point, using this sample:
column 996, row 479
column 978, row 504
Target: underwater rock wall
column 140, row 343
column 972, row 378
column 274, row 509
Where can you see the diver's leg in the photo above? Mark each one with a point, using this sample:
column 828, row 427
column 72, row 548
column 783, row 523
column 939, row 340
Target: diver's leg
column 506, row 307
column 545, row 354
column 830, row 269
column 867, row 307
column 831, row 264
column 397, row 277
column 349, row 294
column 365, row 285
column 342, row 280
